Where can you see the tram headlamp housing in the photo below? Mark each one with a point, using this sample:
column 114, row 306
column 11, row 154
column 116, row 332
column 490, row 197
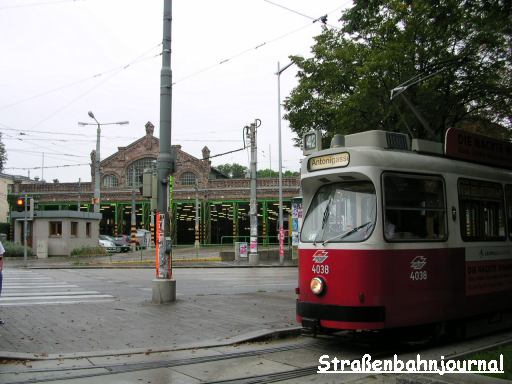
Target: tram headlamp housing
column 317, row 286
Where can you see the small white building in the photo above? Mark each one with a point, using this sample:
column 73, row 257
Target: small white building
column 57, row 232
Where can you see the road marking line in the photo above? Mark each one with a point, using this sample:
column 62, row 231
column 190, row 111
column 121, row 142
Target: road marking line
column 2, row 299
column 70, row 293
column 39, row 286
column 22, row 304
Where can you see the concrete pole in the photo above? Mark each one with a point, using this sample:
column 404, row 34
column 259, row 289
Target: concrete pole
column 133, row 222
column 97, row 158
column 164, row 288
column 79, row 193
column 196, row 226
column 25, row 228
column 253, row 204
column 281, row 221
column 97, row 171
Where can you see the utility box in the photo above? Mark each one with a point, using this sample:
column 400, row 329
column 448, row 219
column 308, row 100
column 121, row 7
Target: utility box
column 42, row 249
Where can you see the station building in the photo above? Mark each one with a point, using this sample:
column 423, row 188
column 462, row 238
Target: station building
column 223, row 203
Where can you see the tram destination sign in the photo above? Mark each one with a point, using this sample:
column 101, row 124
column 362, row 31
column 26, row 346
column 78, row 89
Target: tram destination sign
column 328, row 161
column 469, row 146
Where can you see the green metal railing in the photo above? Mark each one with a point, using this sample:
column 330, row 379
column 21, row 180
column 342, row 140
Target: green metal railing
column 263, row 244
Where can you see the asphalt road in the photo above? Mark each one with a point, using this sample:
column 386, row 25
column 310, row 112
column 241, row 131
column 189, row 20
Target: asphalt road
column 137, row 283
column 54, row 311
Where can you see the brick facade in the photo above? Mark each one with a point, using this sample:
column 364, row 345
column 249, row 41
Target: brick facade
column 213, row 186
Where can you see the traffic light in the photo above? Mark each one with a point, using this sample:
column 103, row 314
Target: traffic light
column 20, row 204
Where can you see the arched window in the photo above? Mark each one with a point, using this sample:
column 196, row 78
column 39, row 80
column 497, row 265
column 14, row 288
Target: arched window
column 110, row 181
column 188, row 178
column 139, row 166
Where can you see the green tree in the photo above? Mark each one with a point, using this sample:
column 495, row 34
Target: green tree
column 3, row 154
column 234, row 171
column 455, row 52
column 266, row 173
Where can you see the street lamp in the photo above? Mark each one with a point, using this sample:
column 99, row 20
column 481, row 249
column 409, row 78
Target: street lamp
column 97, row 158
column 281, row 224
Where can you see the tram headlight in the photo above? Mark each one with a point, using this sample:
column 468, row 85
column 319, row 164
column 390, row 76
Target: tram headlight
column 317, row 286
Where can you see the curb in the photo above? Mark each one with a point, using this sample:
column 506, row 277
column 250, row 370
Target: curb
column 259, row 335
column 148, row 266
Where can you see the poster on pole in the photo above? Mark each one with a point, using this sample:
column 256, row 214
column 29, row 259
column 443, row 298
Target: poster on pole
column 243, row 249
column 296, row 220
column 254, row 244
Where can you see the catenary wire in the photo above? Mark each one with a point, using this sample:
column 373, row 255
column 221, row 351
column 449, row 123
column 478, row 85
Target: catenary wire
column 138, row 60
column 38, row 4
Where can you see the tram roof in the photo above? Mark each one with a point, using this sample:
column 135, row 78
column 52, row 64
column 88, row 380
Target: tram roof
column 399, row 160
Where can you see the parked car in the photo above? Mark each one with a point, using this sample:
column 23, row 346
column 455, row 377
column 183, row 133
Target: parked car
column 107, row 243
column 123, row 243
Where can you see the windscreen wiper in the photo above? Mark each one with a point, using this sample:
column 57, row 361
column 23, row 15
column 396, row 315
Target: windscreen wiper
column 324, row 219
column 348, row 233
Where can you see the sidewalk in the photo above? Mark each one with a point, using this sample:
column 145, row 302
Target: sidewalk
column 182, row 257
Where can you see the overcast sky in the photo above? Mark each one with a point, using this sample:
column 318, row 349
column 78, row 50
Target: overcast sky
column 63, row 58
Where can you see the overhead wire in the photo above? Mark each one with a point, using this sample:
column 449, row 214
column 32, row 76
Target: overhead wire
column 322, row 19
column 38, row 4
column 119, row 69
column 237, row 55
column 95, row 76
column 142, row 57
column 7, row 128
column 86, row 92
column 47, row 167
column 223, row 61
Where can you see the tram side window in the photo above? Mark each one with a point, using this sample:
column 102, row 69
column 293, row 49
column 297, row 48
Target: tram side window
column 414, row 207
column 508, row 197
column 482, row 211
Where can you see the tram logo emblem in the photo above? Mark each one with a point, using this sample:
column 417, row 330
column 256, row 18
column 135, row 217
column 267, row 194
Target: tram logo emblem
column 418, row 262
column 320, row 256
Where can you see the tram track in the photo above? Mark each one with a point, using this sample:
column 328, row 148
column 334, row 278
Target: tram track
column 314, row 345
column 98, row 370
column 81, row 372
column 271, row 377
column 296, row 360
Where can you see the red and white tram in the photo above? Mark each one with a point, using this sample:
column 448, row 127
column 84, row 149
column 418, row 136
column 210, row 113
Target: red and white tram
column 399, row 237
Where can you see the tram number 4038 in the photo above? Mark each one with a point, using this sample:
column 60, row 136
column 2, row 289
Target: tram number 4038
column 320, row 269
column 418, row 275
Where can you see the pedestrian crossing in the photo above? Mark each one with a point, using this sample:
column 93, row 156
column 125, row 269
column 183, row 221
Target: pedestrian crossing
column 28, row 288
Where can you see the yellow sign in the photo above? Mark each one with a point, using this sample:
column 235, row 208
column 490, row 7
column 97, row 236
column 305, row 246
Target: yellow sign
column 328, row 161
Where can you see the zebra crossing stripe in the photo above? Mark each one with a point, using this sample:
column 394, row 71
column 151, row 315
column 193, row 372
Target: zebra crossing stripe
column 28, row 288
column 2, row 299
column 25, row 304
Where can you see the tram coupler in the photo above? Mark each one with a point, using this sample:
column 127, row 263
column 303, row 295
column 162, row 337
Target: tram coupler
column 311, row 325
